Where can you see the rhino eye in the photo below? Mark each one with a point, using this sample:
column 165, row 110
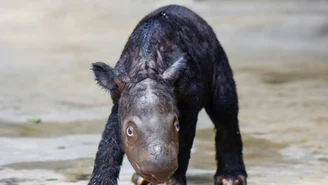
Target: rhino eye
column 129, row 131
column 177, row 126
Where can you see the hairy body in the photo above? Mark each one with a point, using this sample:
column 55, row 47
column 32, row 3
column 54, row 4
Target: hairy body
column 171, row 67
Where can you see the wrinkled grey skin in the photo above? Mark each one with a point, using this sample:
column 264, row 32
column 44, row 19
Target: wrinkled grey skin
column 149, row 109
column 147, row 104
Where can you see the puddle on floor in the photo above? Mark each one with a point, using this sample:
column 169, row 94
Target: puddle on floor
column 256, row 150
column 282, row 73
column 74, row 170
column 51, row 129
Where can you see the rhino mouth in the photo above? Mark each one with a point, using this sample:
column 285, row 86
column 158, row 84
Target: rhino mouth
column 151, row 177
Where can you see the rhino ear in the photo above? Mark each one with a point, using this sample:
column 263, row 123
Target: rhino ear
column 172, row 73
column 107, row 77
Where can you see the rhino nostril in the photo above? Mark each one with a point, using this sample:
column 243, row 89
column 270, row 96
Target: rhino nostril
column 158, row 149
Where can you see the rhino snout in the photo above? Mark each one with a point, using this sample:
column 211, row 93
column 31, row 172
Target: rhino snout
column 160, row 165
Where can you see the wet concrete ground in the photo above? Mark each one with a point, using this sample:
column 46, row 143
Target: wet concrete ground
column 277, row 49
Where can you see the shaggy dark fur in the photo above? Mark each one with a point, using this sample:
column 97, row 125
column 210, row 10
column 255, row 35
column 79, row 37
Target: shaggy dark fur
column 177, row 53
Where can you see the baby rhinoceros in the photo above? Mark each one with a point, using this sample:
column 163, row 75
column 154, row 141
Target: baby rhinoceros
column 171, row 67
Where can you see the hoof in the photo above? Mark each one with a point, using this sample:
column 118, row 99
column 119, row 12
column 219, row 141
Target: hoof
column 240, row 180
